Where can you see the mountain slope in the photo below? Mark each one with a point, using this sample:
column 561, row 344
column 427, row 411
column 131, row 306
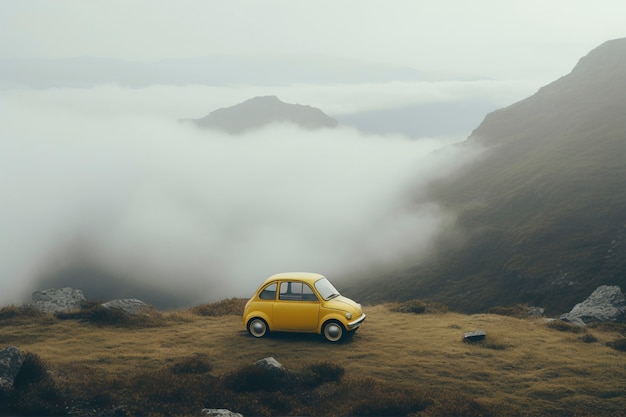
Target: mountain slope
column 260, row 111
column 544, row 213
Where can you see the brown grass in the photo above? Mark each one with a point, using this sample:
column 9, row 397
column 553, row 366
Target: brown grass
column 419, row 363
column 229, row 306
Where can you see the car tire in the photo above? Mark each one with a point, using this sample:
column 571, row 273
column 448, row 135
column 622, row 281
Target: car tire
column 257, row 327
column 333, row 331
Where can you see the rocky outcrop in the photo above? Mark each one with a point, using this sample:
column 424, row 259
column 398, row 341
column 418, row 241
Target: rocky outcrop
column 11, row 360
column 57, row 300
column 606, row 303
column 130, row 306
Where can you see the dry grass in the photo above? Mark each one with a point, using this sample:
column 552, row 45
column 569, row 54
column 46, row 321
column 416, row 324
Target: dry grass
column 523, row 367
column 229, row 306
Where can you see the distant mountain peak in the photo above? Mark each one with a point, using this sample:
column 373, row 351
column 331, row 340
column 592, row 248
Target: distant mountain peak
column 264, row 110
column 264, row 99
column 610, row 56
column 592, row 90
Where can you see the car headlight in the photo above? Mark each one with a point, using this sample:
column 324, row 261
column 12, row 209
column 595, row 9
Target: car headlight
column 348, row 316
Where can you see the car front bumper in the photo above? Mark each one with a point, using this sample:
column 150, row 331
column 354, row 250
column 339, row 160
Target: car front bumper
column 356, row 323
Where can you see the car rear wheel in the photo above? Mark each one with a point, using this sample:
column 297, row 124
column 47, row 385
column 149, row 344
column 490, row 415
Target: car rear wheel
column 333, row 331
column 257, row 327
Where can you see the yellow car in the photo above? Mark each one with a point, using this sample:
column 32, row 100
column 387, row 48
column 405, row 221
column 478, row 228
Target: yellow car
column 301, row 302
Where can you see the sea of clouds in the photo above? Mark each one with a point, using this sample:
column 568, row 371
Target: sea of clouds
column 110, row 178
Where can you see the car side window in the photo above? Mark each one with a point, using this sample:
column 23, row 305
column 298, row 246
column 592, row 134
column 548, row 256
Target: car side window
column 308, row 294
column 269, row 292
column 296, row 291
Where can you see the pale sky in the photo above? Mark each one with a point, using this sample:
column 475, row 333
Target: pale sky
column 494, row 38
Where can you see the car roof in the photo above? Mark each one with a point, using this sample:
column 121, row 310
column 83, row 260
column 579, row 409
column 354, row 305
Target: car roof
column 309, row 277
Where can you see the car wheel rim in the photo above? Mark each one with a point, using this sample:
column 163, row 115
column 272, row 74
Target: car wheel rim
column 333, row 332
column 257, row 328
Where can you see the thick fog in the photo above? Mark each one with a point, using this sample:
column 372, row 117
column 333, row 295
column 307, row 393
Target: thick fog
column 106, row 190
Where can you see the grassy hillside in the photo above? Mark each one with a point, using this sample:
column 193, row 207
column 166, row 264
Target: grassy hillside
column 397, row 364
column 541, row 217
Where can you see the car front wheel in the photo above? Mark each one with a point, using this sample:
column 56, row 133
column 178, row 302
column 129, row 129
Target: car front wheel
column 333, row 331
column 257, row 327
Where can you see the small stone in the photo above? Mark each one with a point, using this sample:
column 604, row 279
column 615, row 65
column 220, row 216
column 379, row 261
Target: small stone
column 271, row 364
column 220, row 412
column 474, row 336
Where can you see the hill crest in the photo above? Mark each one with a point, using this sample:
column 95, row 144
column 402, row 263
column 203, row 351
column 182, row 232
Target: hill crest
column 260, row 111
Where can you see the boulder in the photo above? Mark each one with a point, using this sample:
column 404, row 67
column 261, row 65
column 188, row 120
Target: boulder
column 130, row 306
column 271, row 364
column 606, row 303
column 57, row 300
column 219, row 412
column 11, row 360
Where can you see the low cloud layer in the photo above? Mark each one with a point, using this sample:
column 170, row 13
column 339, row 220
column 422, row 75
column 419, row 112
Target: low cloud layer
column 107, row 184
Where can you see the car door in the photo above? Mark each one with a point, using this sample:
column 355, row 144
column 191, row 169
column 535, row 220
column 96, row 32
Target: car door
column 297, row 307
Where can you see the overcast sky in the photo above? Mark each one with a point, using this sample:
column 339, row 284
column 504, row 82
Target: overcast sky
column 500, row 39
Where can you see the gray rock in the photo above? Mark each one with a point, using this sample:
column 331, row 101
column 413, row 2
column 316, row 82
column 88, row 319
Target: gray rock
column 57, row 300
column 271, row 364
column 606, row 303
column 220, row 412
column 11, row 360
column 130, row 306
column 475, row 336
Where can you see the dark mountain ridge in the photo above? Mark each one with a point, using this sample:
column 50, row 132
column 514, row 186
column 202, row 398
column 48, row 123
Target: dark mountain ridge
column 261, row 111
column 543, row 215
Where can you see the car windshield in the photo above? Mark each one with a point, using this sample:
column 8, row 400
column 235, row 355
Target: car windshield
column 326, row 289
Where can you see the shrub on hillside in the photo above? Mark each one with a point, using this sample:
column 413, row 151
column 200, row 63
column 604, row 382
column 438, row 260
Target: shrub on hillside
column 419, row 307
column 619, row 344
column 14, row 312
column 321, row 373
column 253, row 378
column 588, row 338
column 34, row 391
column 378, row 399
column 185, row 386
column 192, row 365
column 519, row 311
column 564, row 326
column 94, row 312
column 609, row 326
column 230, row 306
column 168, row 391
